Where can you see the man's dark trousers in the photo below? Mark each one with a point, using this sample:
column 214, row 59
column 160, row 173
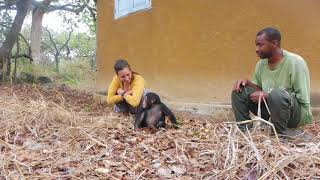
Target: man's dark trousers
column 284, row 108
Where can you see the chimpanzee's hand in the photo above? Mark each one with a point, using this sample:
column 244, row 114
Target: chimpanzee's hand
column 255, row 96
column 120, row 91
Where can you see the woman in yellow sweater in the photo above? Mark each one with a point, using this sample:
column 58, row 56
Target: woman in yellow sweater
column 126, row 90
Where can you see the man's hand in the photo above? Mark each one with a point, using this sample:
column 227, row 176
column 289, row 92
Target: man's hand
column 120, row 91
column 255, row 96
column 239, row 83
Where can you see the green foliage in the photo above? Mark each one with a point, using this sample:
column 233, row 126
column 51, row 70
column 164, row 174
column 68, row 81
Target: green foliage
column 23, row 65
column 54, row 46
column 89, row 22
column 10, row 1
column 24, row 71
column 86, row 16
column 6, row 20
column 76, row 60
column 23, row 46
column 82, row 45
column 76, row 74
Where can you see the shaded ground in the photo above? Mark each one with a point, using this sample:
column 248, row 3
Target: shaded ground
column 57, row 132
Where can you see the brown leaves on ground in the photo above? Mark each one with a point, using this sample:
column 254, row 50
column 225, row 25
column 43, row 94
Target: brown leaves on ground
column 57, row 132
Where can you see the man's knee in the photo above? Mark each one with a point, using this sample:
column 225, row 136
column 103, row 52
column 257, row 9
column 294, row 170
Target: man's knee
column 244, row 93
column 236, row 96
column 278, row 95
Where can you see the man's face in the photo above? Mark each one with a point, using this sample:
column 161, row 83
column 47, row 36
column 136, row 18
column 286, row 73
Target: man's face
column 264, row 47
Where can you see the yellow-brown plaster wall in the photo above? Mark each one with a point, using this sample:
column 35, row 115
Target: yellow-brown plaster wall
column 194, row 50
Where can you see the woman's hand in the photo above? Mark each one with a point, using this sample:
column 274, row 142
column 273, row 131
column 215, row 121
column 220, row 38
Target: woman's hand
column 130, row 92
column 120, row 91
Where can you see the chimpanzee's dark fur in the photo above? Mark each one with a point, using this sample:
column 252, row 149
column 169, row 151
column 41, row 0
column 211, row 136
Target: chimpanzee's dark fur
column 153, row 113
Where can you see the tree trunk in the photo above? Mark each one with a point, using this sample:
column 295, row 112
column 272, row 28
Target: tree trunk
column 93, row 61
column 36, row 31
column 56, row 59
column 15, row 61
column 11, row 37
column 36, row 27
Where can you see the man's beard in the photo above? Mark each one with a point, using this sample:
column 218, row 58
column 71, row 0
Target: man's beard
column 265, row 55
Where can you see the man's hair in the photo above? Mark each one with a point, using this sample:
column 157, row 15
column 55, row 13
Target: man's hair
column 271, row 33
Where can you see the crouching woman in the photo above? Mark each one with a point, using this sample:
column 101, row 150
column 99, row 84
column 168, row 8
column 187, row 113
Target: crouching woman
column 126, row 90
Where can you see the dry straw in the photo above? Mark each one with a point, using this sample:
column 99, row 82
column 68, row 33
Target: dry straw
column 45, row 138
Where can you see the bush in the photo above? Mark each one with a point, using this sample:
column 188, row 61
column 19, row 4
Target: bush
column 76, row 74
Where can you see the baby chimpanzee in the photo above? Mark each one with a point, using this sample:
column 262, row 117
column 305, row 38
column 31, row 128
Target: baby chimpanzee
column 153, row 113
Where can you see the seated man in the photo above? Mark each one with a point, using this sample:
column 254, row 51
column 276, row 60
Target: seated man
column 282, row 78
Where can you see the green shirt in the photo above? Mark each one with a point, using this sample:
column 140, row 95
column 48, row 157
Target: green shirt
column 292, row 74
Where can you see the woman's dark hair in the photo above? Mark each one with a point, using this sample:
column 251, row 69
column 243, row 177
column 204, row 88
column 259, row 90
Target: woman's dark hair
column 120, row 65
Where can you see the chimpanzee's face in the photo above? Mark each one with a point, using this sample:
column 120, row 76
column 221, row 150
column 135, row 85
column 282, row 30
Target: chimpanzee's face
column 150, row 99
column 145, row 102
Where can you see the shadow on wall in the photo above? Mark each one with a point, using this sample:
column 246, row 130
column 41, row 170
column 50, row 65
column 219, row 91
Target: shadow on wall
column 315, row 99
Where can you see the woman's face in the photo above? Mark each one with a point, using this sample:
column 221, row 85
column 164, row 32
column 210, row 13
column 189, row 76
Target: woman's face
column 125, row 75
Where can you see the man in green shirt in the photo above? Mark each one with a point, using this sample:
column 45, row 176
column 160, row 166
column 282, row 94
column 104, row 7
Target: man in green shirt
column 282, row 78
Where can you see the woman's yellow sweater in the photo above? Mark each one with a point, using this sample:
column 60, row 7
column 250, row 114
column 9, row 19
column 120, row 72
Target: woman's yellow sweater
column 138, row 84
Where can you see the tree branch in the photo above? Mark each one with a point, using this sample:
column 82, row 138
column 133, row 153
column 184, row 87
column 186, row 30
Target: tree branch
column 41, row 5
column 26, row 42
column 51, row 39
column 4, row 24
column 67, row 7
column 57, row 51
column 93, row 12
column 23, row 38
column 65, row 44
column 47, row 45
column 8, row 6
column 21, row 56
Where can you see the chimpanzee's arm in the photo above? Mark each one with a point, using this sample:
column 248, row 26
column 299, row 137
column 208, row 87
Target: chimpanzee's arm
column 139, row 119
column 161, row 124
column 167, row 112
